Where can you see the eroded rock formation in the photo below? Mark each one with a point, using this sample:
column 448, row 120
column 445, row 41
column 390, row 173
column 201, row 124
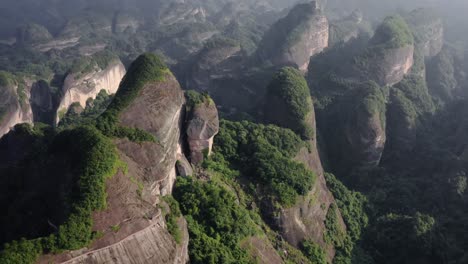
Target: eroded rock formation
column 289, row 105
column 78, row 88
column 390, row 54
column 134, row 196
column 14, row 109
column 202, row 126
column 295, row 38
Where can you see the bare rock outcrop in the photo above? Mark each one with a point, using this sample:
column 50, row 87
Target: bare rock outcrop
column 78, row 88
column 183, row 166
column 294, row 39
column 306, row 220
column 289, row 105
column 390, row 54
column 202, row 126
column 392, row 66
column 14, row 105
column 133, row 225
column 156, row 110
column 153, row 244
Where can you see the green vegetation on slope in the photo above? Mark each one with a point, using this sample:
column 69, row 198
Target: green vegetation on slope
column 172, row 216
column 264, row 154
column 93, row 109
column 289, row 102
column 352, row 206
column 146, row 68
column 393, row 33
column 6, row 79
column 314, row 252
column 96, row 160
column 194, row 98
column 87, row 64
column 216, row 223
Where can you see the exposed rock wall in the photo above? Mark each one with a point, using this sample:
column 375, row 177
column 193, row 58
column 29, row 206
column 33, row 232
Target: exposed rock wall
column 13, row 111
column 306, row 219
column 152, row 245
column 391, row 66
column 202, row 126
column 295, row 38
column 156, row 110
column 78, row 89
column 134, row 196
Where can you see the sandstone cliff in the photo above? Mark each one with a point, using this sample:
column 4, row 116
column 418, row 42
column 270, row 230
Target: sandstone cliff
column 202, row 126
column 14, row 105
column 294, row 39
column 288, row 104
column 390, row 54
column 78, row 87
column 306, row 220
column 134, row 196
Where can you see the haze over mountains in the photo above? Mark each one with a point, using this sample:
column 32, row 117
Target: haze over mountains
column 218, row 131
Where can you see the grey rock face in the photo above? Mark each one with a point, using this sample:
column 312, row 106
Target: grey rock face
column 133, row 197
column 13, row 108
column 156, row 110
column 391, row 66
column 202, row 126
column 295, row 38
column 306, row 219
column 183, row 166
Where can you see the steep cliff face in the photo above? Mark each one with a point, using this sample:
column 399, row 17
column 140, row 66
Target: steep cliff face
column 78, row 88
column 306, row 219
column 390, row 66
column 295, row 38
column 288, row 104
column 390, row 54
column 365, row 126
column 150, row 100
column 202, row 126
column 161, row 104
column 14, row 109
column 428, row 30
